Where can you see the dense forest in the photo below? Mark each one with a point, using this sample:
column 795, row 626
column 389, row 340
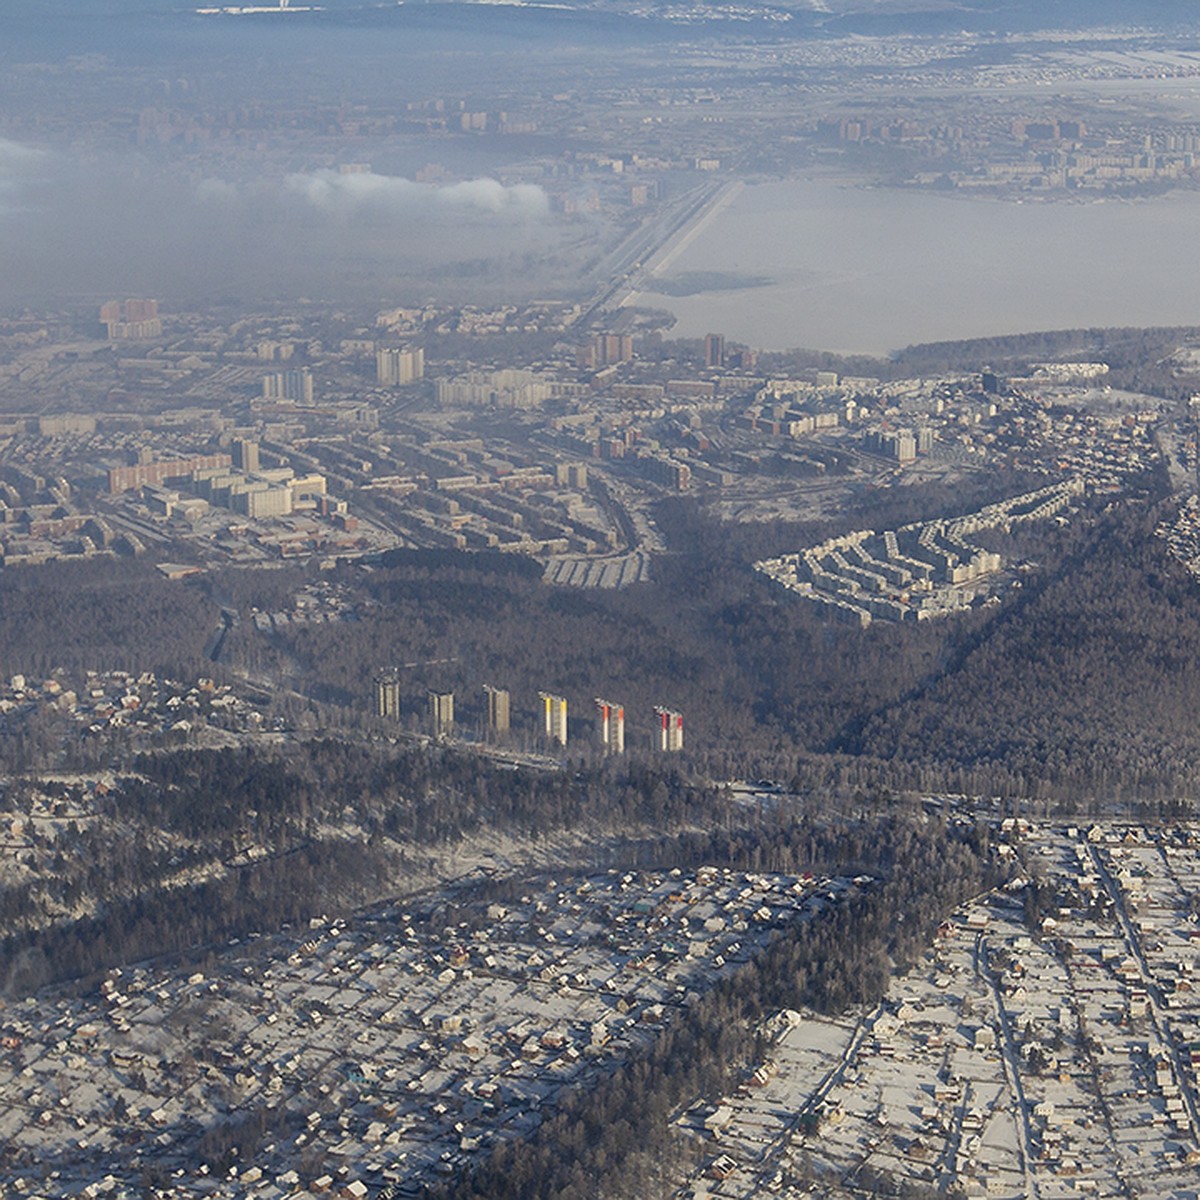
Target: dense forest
column 1088, row 687
column 194, row 847
column 759, row 677
column 1079, row 683
column 1077, row 686
column 102, row 614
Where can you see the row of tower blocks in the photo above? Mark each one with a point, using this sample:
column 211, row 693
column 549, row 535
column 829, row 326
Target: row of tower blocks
column 610, row 717
column 394, row 367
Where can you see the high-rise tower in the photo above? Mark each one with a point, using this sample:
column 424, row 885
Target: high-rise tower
column 441, row 713
column 295, row 385
column 397, row 365
column 554, row 710
column 245, row 454
column 498, row 710
column 387, row 695
column 670, row 730
column 610, row 726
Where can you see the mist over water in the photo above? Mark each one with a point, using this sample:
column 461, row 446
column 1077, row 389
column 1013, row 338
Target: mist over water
column 80, row 218
column 869, row 271
column 73, row 228
column 853, row 270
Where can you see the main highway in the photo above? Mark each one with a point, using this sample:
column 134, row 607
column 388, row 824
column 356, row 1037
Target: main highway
column 627, row 266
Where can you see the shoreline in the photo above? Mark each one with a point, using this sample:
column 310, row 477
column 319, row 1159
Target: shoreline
column 870, row 270
column 678, row 241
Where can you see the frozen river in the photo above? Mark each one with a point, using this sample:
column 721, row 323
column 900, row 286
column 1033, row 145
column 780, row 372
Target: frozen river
column 862, row 270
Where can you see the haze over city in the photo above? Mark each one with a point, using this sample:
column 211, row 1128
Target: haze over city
column 599, row 599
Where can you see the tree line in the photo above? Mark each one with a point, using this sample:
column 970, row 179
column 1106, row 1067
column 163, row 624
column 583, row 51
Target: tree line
column 265, row 837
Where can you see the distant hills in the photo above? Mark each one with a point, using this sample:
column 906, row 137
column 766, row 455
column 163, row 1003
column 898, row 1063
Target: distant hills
column 911, row 14
column 932, row 16
column 169, row 31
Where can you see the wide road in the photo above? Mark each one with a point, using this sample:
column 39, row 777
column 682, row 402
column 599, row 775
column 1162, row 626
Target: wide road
column 625, row 267
column 1010, row 1056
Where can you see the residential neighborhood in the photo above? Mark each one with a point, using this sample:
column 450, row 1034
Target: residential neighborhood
column 1046, row 1045
column 379, row 1051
